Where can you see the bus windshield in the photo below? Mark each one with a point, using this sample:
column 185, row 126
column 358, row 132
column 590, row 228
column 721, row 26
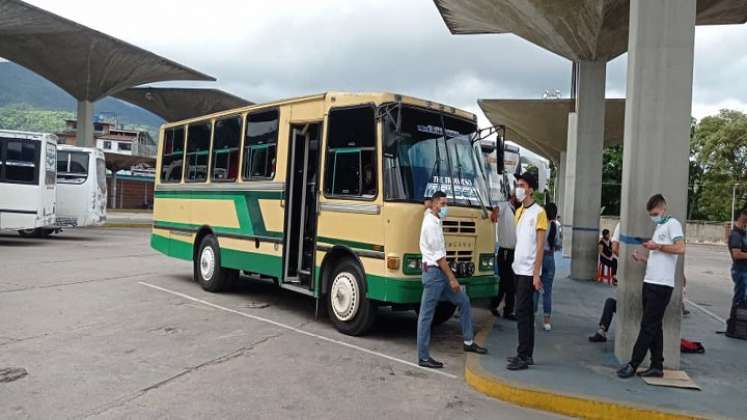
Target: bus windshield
column 419, row 159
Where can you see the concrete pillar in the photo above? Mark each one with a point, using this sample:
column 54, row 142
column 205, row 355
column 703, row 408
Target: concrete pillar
column 569, row 186
column 85, row 124
column 560, row 184
column 587, row 153
column 655, row 157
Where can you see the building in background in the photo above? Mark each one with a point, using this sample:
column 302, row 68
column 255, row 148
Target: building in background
column 134, row 186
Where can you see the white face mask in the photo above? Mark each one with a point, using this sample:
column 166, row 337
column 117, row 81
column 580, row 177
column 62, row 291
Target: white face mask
column 521, row 194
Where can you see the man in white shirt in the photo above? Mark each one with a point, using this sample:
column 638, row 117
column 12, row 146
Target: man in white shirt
column 665, row 246
column 531, row 227
column 439, row 282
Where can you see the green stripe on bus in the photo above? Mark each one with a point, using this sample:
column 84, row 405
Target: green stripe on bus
column 351, row 244
column 246, row 205
column 403, row 290
column 172, row 247
column 269, row 265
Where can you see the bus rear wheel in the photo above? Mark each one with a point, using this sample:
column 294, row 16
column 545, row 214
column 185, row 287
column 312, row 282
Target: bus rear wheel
column 349, row 309
column 207, row 267
column 36, row 233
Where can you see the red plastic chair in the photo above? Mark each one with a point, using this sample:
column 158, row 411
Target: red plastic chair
column 604, row 273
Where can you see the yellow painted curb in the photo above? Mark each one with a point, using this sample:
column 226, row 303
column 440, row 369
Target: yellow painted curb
column 126, row 225
column 570, row 405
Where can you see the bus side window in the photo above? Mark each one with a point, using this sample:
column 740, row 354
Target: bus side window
column 198, row 149
column 351, row 153
column 226, row 141
column 173, row 155
column 260, row 145
column 20, row 161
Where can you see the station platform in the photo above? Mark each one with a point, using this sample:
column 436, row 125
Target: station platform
column 575, row 377
column 124, row 218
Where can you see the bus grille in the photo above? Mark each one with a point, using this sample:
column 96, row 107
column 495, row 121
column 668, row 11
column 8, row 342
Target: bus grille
column 459, row 226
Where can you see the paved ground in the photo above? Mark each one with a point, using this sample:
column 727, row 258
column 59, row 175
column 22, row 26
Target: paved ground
column 97, row 342
column 568, row 364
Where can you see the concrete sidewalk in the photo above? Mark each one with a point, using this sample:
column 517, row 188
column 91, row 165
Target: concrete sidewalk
column 124, row 218
column 577, row 378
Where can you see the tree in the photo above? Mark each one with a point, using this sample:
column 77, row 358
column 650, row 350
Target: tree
column 720, row 154
column 611, row 180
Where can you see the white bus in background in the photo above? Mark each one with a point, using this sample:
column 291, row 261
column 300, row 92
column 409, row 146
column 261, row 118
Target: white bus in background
column 501, row 185
column 27, row 182
column 81, row 187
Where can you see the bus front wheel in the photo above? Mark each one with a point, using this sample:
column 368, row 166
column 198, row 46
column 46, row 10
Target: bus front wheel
column 207, row 267
column 348, row 307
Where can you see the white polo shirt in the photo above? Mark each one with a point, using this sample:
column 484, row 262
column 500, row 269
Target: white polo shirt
column 661, row 266
column 528, row 221
column 432, row 244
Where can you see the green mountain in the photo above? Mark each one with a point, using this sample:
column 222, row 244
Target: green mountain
column 25, row 96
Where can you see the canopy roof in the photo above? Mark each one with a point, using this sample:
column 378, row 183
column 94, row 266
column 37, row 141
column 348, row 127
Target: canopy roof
column 575, row 29
column 541, row 125
column 176, row 104
column 86, row 63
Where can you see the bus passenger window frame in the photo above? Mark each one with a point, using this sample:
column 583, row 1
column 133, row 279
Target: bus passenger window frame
column 4, row 141
column 68, row 177
column 247, row 149
column 175, row 130
column 331, row 154
column 187, row 154
column 214, row 152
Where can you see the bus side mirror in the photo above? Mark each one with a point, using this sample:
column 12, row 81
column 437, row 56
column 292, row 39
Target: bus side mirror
column 499, row 151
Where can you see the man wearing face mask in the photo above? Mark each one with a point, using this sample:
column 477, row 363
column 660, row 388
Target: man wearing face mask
column 531, row 226
column 664, row 247
column 439, row 282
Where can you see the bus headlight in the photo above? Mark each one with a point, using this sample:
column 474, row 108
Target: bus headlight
column 412, row 264
column 487, row 262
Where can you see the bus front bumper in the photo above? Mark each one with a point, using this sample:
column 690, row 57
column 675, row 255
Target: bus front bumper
column 409, row 289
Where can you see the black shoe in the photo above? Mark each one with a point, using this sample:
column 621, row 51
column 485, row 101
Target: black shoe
column 495, row 312
column 627, row 371
column 597, row 338
column 652, row 373
column 517, row 363
column 474, row 348
column 510, row 317
column 430, row 363
column 528, row 360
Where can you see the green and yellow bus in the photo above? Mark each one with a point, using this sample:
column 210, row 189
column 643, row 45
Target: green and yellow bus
column 324, row 195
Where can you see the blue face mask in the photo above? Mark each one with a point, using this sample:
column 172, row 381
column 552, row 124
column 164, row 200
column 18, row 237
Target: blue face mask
column 443, row 211
column 659, row 220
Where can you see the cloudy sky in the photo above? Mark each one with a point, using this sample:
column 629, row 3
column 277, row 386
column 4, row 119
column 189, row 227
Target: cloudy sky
column 264, row 50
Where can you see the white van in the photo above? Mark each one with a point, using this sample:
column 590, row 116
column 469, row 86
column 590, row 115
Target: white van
column 81, row 187
column 27, row 182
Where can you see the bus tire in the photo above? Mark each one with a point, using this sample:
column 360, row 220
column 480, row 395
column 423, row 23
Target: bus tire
column 350, row 310
column 27, row 233
column 444, row 312
column 207, row 269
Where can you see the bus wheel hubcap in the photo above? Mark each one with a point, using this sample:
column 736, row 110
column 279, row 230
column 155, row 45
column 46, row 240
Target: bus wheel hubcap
column 207, row 263
column 345, row 296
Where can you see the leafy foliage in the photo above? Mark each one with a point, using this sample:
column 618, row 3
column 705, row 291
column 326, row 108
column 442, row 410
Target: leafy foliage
column 718, row 161
column 27, row 118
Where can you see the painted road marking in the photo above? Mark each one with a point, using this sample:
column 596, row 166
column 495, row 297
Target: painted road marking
column 298, row 330
column 706, row 311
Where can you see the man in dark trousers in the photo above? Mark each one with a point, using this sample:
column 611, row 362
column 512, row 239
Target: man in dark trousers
column 738, row 252
column 664, row 247
column 531, row 225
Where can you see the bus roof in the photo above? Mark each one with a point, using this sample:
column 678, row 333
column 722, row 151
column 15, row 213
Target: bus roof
column 71, row 148
column 27, row 135
column 376, row 97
